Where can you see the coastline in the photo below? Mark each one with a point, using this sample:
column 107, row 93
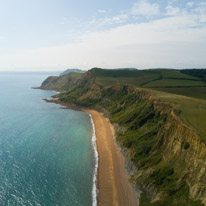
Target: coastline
column 113, row 181
column 94, row 188
column 113, row 185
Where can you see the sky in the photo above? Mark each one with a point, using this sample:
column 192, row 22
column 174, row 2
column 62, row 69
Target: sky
column 53, row 35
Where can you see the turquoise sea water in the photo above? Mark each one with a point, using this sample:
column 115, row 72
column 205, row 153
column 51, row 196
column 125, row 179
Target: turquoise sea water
column 46, row 153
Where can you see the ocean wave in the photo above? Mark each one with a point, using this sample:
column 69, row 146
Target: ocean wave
column 94, row 188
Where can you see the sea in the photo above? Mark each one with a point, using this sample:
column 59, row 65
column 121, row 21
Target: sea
column 47, row 153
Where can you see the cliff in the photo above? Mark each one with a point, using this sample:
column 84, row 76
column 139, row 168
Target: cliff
column 167, row 156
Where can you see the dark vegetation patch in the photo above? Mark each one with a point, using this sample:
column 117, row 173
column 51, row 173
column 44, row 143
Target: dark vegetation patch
column 200, row 73
column 186, row 145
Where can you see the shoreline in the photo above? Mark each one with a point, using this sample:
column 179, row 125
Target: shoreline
column 113, row 181
column 95, row 175
column 113, row 186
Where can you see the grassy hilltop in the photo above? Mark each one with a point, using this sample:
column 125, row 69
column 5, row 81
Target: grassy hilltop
column 167, row 80
column 161, row 118
column 186, row 88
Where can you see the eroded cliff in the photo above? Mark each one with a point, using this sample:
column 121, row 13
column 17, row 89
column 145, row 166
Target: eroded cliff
column 167, row 156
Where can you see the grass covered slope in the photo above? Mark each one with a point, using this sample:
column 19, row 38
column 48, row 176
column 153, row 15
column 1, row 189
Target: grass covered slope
column 185, row 88
column 178, row 87
column 192, row 111
column 62, row 82
column 167, row 80
column 152, row 140
column 189, row 83
column 163, row 133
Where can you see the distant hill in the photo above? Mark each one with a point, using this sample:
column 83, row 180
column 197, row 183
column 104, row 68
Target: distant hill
column 164, row 68
column 126, row 68
column 71, row 70
column 116, row 69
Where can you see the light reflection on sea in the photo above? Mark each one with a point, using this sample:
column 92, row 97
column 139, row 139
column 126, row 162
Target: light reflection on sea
column 46, row 154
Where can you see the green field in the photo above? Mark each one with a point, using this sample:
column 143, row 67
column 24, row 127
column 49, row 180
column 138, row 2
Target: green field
column 115, row 73
column 193, row 110
column 153, row 78
column 186, row 91
column 112, row 81
column 195, row 92
column 172, row 73
column 175, row 83
column 166, row 80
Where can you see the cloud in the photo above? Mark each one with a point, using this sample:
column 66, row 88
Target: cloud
column 64, row 21
column 172, row 41
column 172, row 11
column 145, row 9
column 200, row 10
column 117, row 19
column 203, row 3
column 101, row 11
column 175, row 40
column 172, row 1
column 190, row 4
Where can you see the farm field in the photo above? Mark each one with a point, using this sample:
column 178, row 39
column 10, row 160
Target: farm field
column 186, row 91
column 193, row 110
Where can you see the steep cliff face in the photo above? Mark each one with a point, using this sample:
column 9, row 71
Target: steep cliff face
column 169, row 156
column 168, row 159
column 183, row 154
column 180, row 141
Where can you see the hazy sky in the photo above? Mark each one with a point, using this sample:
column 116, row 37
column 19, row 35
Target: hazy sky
column 59, row 34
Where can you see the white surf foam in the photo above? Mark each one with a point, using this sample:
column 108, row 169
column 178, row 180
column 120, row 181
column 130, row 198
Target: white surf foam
column 94, row 188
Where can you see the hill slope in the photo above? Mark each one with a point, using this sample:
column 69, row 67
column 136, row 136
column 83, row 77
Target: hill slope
column 156, row 129
column 60, row 83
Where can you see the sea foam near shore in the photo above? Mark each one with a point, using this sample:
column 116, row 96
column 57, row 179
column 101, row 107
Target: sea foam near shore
column 94, row 189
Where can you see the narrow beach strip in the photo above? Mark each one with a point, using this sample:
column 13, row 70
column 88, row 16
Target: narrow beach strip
column 113, row 183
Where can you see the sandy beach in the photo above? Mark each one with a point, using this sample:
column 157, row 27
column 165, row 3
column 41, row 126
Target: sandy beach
column 113, row 181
